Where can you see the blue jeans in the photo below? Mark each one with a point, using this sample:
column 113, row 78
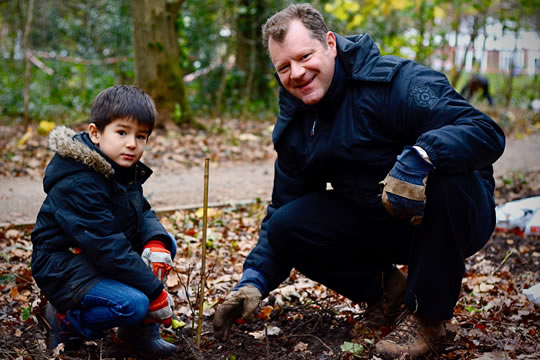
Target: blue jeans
column 109, row 304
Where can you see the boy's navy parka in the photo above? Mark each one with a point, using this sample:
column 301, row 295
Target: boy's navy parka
column 375, row 106
column 96, row 206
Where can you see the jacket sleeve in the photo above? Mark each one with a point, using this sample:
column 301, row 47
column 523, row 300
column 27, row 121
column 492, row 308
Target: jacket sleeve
column 457, row 137
column 152, row 228
column 85, row 215
column 288, row 186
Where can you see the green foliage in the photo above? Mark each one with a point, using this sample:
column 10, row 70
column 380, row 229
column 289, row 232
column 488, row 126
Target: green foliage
column 352, row 348
column 516, row 178
column 78, row 36
column 5, row 279
column 75, row 37
column 64, row 97
column 209, row 30
column 400, row 27
column 26, row 312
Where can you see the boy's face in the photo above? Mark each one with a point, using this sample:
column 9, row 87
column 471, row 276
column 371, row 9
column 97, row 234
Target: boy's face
column 123, row 140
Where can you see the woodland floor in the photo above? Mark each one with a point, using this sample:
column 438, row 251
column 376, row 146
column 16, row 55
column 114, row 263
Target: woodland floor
column 301, row 319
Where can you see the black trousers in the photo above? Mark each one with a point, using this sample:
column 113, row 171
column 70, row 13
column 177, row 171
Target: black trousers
column 346, row 244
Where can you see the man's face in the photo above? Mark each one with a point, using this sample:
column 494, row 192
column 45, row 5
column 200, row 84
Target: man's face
column 304, row 65
column 123, row 140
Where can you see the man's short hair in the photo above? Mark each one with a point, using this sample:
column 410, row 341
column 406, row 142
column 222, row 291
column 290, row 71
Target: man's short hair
column 123, row 101
column 277, row 26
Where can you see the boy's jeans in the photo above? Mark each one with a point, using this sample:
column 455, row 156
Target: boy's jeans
column 109, row 304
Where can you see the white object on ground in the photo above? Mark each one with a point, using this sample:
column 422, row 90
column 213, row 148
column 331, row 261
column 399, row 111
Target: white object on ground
column 533, row 294
column 520, row 216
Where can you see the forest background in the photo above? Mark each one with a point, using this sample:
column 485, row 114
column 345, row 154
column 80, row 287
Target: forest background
column 203, row 63
column 204, row 59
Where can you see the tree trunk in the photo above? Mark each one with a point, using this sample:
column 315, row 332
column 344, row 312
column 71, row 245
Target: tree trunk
column 457, row 74
column 27, row 75
column 509, row 82
column 455, row 27
column 251, row 56
column 421, row 25
column 157, row 58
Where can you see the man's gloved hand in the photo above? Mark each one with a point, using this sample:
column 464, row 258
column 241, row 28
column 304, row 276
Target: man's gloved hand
column 156, row 256
column 404, row 188
column 161, row 309
column 242, row 302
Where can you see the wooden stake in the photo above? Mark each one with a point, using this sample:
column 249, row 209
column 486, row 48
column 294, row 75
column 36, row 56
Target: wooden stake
column 203, row 251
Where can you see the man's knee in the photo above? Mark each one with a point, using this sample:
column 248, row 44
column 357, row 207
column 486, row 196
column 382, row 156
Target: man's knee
column 462, row 203
column 456, row 190
column 280, row 228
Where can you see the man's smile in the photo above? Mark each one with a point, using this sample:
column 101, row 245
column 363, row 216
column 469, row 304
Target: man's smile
column 304, row 85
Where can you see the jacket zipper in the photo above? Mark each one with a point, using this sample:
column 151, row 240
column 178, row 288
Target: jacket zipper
column 314, row 124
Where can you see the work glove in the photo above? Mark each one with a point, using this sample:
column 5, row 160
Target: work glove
column 404, row 188
column 242, row 302
column 156, row 256
column 161, row 309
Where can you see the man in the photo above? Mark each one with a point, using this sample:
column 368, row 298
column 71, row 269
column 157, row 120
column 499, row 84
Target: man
column 475, row 83
column 363, row 122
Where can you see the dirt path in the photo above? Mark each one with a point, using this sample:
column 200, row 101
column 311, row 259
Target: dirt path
column 20, row 198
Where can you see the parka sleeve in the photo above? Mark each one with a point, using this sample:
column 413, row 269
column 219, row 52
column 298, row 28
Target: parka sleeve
column 152, row 228
column 288, row 186
column 457, row 137
column 85, row 215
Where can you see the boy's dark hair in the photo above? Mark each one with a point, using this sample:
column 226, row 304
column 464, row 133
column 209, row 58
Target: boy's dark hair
column 123, row 101
column 277, row 26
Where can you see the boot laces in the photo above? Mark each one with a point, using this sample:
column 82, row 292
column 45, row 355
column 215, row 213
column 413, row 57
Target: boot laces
column 407, row 331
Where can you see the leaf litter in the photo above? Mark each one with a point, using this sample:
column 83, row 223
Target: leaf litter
column 301, row 319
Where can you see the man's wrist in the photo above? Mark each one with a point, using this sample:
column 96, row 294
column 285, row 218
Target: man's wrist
column 253, row 277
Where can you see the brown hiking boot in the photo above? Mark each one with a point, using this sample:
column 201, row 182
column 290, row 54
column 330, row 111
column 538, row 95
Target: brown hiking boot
column 413, row 336
column 386, row 310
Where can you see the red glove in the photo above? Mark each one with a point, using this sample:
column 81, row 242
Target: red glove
column 156, row 256
column 160, row 310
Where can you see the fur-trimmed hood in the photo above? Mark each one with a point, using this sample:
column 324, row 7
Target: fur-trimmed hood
column 75, row 153
column 62, row 141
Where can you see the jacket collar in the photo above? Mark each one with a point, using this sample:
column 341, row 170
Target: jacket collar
column 362, row 59
column 358, row 58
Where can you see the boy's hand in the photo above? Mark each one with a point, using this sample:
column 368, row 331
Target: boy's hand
column 161, row 309
column 156, row 256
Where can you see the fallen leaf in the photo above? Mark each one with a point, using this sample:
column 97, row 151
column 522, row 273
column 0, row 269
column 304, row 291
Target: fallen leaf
column 14, row 292
column 265, row 312
column 271, row 330
column 485, row 287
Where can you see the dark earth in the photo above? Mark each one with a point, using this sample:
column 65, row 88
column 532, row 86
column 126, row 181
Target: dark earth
column 314, row 322
column 299, row 320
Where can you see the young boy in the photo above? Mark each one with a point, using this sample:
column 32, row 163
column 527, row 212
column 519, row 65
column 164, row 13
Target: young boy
column 100, row 254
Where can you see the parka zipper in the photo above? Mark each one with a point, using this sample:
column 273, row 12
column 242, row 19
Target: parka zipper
column 314, row 124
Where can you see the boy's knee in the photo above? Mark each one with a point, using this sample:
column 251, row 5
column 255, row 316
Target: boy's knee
column 136, row 308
